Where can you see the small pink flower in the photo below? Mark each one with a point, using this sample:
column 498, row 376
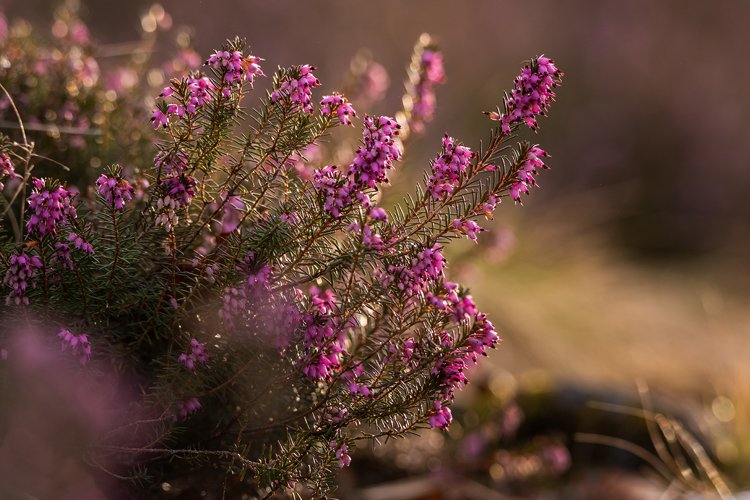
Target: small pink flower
column 78, row 345
column 340, row 105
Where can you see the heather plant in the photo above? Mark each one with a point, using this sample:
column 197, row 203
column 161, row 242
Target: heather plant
column 259, row 323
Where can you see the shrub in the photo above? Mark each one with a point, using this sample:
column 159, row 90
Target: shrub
column 257, row 322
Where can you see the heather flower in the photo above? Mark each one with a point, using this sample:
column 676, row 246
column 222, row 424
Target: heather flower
column 377, row 153
column 448, row 168
column 170, row 163
column 115, row 190
column 483, row 336
column 21, row 275
column 336, row 193
column 424, row 269
column 368, row 169
column 292, row 218
column 199, row 93
column 235, row 66
column 179, row 189
column 187, row 408
column 353, row 378
column 532, row 95
column 77, row 344
column 342, row 454
column 160, row 115
column 340, row 105
column 178, row 192
column 429, row 74
column 470, row 228
column 230, row 210
column 441, row 417
column 297, row 88
column 50, row 208
column 61, row 256
column 369, row 238
column 488, row 207
column 379, row 214
column 80, row 243
column 526, row 170
column 323, row 336
column 197, row 355
column 7, row 168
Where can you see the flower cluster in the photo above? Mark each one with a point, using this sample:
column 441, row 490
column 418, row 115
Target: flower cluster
column 532, row 95
column 61, row 258
column 468, row 227
column 178, row 190
column 50, row 207
column 423, row 270
column 323, row 339
column 429, row 75
column 450, row 370
column 115, row 190
column 197, row 355
column 199, row 92
column 297, row 88
column 528, row 167
column 7, row 169
column 448, row 168
column 353, row 378
column 21, row 275
column 367, row 170
column 235, row 67
column 78, row 345
column 186, row 408
column 170, row 163
column 339, row 104
column 80, row 243
column 370, row 239
column 377, row 153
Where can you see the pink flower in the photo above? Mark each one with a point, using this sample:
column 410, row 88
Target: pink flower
column 470, row 228
column 340, row 105
column 377, row 153
column 297, row 88
column 448, row 168
column 187, row 408
column 78, row 345
column 7, row 169
column 115, row 190
column 429, row 74
column 50, row 208
column 21, row 275
column 379, row 214
column 235, row 66
column 160, row 116
column 441, row 417
column 197, row 355
column 80, row 243
column 532, row 95
column 342, row 454
column 423, row 270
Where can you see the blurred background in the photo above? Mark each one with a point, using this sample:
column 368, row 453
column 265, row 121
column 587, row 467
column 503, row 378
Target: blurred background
column 629, row 266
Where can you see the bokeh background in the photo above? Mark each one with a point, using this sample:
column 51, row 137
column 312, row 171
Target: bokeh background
column 630, row 264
